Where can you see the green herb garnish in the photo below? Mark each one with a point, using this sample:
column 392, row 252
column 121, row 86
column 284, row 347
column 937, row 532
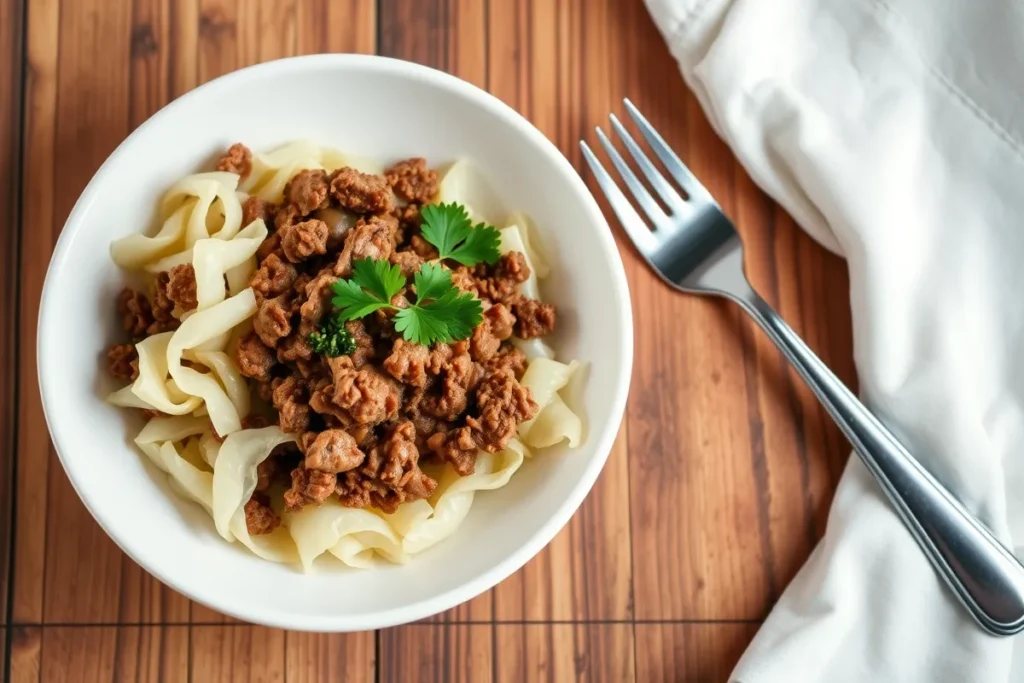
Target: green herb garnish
column 441, row 312
column 332, row 339
column 447, row 227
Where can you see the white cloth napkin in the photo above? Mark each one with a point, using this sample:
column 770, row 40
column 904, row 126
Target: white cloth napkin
column 893, row 132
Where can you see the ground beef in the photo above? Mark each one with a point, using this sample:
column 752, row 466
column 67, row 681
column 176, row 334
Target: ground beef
column 275, row 276
column 307, row 191
column 500, row 283
column 181, row 287
column 462, row 277
column 162, row 307
column 332, row 450
column 413, row 181
column 273, row 319
column 409, row 261
column 533, row 318
column 390, row 476
column 287, row 216
column 260, row 518
column 238, row 159
column 508, row 358
column 423, row 248
column 408, row 363
column 409, row 221
column 135, row 312
column 502, row 404
column 295, row 347
column 271, row 245
column 308, row 486
column 369, row 396
column 365, row 347
column 495, row 328
column 318, row 295
column 449, row 397
column 255, row 359
column 255, row 208
column 372, row 238
column 123, row 362
column 360, row 192
column 290, row 399
column 303, row 240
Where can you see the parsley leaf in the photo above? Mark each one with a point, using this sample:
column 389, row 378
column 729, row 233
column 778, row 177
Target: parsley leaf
column 373, row 283
column 431, row 281
column 447, row 227
column 460, row 311
column 441, row 312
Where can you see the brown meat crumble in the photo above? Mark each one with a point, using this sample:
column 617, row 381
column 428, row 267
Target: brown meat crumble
column 366, row 421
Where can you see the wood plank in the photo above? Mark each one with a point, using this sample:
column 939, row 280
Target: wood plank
column 89, row 116
column 11, row 19
column 508, row 653
column 25, row 654
column 34, row 454
column 109, row 653
column 336, row 26
column 435, row 652
column 338, row 657
column 236, row 652
column 695, row 653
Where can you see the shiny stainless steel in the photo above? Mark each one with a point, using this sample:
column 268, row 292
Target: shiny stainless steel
column 695, row 248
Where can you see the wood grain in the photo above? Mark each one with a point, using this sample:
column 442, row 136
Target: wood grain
column 716, row 489
column 337, row 657
column 24, row 657
column 695, row 653
column 10, row 149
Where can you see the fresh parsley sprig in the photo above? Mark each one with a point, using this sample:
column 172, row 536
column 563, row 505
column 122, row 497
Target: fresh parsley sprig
column 441, row 312
column 447, row 227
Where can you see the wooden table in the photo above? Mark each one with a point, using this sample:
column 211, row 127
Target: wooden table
column 720, row 480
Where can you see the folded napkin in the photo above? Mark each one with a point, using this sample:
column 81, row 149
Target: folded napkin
column 893, row 132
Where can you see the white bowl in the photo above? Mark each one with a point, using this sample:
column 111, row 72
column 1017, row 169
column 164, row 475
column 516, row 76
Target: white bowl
column 372, row 107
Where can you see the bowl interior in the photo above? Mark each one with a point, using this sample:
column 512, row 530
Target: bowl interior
column 375, row 108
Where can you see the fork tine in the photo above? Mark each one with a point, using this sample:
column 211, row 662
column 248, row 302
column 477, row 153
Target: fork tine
column 664, row 189
column 637, row 231
column 672, row 162
column 643, row 197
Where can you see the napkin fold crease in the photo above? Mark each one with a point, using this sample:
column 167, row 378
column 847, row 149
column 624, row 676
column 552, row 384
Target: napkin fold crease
column 891, row 130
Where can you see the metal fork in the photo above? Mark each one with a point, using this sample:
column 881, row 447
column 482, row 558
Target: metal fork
column 695, row 248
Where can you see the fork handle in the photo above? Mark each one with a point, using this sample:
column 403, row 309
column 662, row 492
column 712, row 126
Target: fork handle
column 984, row 575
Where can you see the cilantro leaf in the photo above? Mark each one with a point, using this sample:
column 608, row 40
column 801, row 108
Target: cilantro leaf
column 451, row 317
column 379, row 277
column 460, row 310
column 373, row 283
column 441, row 312
column 444, row 226
column 447, row 227
column 352, row 301
column 482, row 244
column 419, row 328
column 431, row 281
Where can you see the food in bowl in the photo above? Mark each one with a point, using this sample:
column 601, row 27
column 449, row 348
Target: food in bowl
column 334, row 357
